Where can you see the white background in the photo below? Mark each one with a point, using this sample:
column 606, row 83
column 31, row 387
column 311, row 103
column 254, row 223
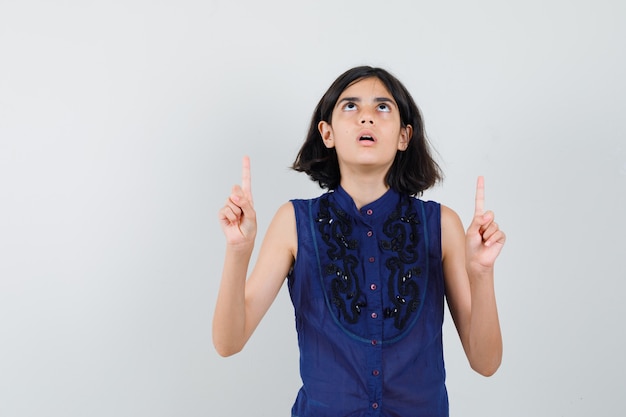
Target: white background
column 122, row 127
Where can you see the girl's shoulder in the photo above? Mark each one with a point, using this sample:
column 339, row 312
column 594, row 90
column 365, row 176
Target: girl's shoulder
column 311, row 199
column 448, row 215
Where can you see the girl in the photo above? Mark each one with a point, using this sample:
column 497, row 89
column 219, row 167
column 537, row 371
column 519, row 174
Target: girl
column 368, row 263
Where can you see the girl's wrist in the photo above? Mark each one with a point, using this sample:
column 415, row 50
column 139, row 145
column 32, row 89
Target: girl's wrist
column 240, row 249
column 480, row 272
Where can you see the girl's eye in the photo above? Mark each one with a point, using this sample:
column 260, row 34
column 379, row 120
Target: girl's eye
column 349, row 106
column 383, row 107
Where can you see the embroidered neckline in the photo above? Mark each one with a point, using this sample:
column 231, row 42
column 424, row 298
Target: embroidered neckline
column 342, row 262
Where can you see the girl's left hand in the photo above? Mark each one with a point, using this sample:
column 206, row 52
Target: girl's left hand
column 484, row 239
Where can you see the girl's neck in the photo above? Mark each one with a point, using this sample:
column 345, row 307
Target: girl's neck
column 364, row 190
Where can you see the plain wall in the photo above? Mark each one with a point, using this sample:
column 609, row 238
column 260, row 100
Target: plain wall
column 122, row 128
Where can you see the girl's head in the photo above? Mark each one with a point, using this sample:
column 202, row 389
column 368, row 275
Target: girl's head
column 413, row 169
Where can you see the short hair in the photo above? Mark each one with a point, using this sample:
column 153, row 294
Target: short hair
column 413, row 170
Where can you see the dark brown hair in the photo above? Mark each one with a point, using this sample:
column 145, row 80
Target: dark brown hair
column 413, row 170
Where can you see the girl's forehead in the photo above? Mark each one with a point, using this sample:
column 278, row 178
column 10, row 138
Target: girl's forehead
column 366, row 89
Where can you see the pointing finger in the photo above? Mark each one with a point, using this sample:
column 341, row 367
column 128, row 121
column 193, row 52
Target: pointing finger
column 246, row 180
column 480, row 197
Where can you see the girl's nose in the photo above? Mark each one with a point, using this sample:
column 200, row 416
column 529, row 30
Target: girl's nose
column 367, row 118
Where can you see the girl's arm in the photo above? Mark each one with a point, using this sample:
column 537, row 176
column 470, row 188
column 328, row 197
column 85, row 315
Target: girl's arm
column 241, row 303
column 468, row 264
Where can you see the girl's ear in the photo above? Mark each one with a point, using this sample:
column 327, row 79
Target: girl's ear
column 406, row 133
column 326, row 131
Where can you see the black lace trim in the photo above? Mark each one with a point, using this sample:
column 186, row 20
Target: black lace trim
column 336, row 228
column 402, row 290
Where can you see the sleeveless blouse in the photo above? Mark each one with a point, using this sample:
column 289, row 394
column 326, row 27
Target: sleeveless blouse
column 368, row 295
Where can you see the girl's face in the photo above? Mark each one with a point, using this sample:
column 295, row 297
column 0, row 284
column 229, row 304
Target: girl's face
column 366, row 130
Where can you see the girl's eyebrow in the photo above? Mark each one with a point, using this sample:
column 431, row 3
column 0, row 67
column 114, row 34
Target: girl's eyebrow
column 358, row 99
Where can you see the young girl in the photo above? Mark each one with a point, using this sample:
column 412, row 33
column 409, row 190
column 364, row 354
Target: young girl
column 368, row 263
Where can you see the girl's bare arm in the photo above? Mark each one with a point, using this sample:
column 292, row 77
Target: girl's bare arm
column 241, row 302
column 468, row 263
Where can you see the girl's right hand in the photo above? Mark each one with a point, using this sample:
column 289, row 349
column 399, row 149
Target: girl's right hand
column 237, row 217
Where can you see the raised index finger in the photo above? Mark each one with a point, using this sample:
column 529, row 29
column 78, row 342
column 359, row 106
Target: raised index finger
column 480, row 197
column 246, row 181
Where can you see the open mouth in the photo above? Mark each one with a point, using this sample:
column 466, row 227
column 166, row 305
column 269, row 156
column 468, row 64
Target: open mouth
column 366, row 138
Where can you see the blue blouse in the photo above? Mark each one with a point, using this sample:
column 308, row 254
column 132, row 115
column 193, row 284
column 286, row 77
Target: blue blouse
column 368, row 294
